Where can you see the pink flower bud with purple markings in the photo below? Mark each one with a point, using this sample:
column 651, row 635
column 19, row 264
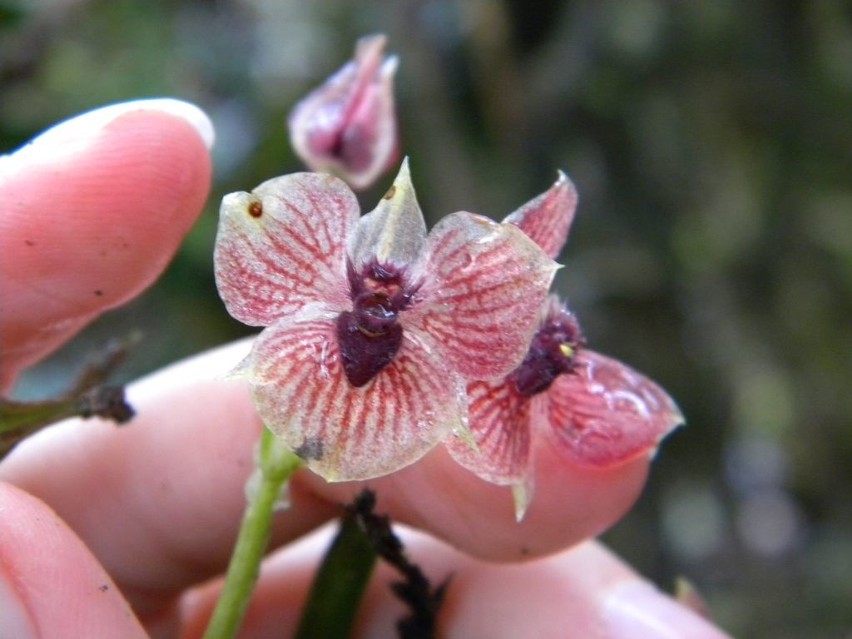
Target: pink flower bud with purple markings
column 594, row 409
column 374, row 328
column 348, row 125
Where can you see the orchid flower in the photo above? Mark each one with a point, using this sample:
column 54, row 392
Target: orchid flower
column 347, row 126
column 596, row 410
column 373, row 328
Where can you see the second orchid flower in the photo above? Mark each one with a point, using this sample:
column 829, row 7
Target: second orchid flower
column 596, row 410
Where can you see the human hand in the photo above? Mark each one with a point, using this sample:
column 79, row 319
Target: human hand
column 106, row 532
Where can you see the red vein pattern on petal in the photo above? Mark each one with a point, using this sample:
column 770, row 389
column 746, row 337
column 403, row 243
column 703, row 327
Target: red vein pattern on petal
column 547, row 218
column 346, row 433
column 486, row 283
column 498, row 418
column 605, row 413
column 282, row 246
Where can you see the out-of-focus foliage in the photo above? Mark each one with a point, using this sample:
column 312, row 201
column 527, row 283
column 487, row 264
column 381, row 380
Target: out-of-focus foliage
column 712, row 148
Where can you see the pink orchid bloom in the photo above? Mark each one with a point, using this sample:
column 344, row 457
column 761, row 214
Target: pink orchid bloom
column 374, row 328
column 348, row 126
column 596, row 410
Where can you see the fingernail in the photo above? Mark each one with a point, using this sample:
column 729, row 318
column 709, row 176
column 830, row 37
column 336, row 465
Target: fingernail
column 15, row 619
column 186, row 110
column 636, row 610
column 67, row 138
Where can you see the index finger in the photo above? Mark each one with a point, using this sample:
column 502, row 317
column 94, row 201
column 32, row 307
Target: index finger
column 93, row 211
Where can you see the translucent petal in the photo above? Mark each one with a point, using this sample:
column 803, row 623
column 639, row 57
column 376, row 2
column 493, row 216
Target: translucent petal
column 395, row 231
column 347, row 433
column 282, row 246
column 498, row 418
column 484, row 284
column 546, row 219
column 605, row 413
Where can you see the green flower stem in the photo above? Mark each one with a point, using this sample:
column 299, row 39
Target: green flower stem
column 276, row 463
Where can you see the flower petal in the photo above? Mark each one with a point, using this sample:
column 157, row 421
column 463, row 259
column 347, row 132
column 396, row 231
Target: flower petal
column 605, row 413
column 282, row 246
column 346, row 433
column 498, row 418
column 484, row 284
column 395, row 231
column 546, row 219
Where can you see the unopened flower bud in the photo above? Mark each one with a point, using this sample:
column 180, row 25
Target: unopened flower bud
column 347, row 126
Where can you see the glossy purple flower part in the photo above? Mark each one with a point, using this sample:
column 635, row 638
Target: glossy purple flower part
column 348, row 125
column 374, row 328
column 598, row 411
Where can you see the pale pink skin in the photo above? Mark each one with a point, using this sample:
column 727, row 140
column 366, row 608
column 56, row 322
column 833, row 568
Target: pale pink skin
column 281, row 261
column 153, row 507
column 601, row 414
column 347, row 126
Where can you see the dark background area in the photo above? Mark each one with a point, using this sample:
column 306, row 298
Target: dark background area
column 711, row 144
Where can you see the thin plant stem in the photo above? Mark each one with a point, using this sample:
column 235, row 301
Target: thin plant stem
column 276, row 464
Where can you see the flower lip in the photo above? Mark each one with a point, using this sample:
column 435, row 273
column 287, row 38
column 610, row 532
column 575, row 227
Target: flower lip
column 552, row 352
column 367, row 344
column 370, row 335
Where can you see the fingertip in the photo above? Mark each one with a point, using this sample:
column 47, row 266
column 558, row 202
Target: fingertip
column 57, row 587
column 97, row 206
column 573, row 502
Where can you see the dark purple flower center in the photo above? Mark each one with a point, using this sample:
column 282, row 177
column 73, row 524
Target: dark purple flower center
column 552, row 352
column 370, row 335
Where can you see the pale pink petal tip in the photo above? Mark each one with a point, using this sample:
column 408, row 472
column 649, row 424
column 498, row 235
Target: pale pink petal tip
column 348, row 125
column 547, row 218
column 522, row 494
column 605, row 413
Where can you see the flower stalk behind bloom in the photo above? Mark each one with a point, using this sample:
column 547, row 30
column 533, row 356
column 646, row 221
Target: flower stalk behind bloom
column 373, row 327
column 348, row 125
column 595, row 410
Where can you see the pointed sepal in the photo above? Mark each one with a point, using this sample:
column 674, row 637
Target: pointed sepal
column 547, row 218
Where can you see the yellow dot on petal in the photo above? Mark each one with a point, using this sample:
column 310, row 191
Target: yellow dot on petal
column 566, row 350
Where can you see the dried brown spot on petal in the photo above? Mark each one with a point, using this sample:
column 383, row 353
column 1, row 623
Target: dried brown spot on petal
column 312, row 449
column 255, row 208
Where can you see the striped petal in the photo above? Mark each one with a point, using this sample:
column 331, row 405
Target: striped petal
column 282, row 246
column 483, row 286
column 547, row 218
column 604, row 413
column 498, row 418
column 345, row 433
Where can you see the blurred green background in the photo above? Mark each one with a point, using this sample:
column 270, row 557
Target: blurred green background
column 711, row 143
